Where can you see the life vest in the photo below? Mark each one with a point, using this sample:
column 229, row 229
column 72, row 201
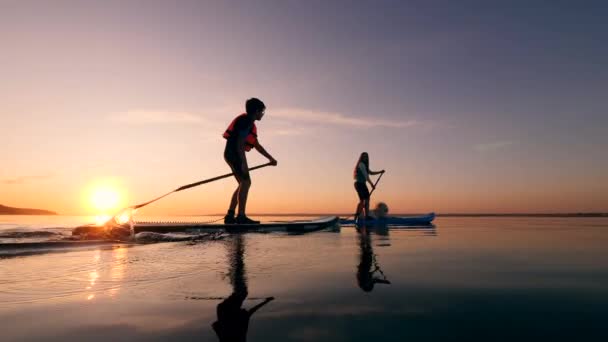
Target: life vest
column 252, row 137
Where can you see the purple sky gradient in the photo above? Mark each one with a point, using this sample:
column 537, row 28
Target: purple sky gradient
column 471, row 106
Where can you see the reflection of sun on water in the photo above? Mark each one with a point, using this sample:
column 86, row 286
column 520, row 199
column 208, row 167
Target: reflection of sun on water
column 117, row 272
column 93, row 275
column 103, row 281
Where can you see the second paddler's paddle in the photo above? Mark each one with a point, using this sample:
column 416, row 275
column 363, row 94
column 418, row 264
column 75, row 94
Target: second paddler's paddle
column 375, row 184
column 370, row 194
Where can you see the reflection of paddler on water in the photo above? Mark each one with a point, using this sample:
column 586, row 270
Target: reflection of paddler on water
column 232, row 319
column 368, row 270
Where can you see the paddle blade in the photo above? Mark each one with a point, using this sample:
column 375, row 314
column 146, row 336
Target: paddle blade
column 123, row 217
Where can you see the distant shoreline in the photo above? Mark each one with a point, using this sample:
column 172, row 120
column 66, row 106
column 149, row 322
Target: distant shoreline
column 4, row 210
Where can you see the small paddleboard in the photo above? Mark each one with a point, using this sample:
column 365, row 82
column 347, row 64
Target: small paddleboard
column 396, row 220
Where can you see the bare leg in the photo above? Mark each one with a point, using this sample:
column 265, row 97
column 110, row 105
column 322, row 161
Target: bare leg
column 242, row 195
column 367, row 207
column 234, row 200
column 359, row 208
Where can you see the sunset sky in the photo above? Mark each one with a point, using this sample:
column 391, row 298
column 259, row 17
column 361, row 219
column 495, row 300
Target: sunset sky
column 470, row 106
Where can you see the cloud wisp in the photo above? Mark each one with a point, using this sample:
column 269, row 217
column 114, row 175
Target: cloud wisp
column 290, row 116
column 146, row 117
column 339, row 119
column 287, row 132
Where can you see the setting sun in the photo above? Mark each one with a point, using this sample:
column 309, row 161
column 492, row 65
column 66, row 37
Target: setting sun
column 105, row 199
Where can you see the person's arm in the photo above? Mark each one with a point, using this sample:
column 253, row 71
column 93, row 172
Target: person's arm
column 376, row 172
column 263, row 152
column 257, row 307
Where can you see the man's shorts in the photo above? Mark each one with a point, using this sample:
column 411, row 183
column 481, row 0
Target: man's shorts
column 362, row 190
column 236, row 165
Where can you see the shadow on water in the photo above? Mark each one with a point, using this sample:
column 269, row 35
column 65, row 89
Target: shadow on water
column 232, row 319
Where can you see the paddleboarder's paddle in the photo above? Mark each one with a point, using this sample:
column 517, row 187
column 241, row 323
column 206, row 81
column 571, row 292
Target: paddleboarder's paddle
column 375, row 184
column 187, row 186
column 370, row 194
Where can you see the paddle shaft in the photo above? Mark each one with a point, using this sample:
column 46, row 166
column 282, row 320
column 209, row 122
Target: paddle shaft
column 370, row 194
column 192, row 185
column 374, row 189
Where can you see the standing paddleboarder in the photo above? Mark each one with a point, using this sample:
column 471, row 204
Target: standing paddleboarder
column 361, row 175
column 241, row 136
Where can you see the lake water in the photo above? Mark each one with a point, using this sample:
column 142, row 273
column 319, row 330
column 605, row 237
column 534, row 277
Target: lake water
column 482, row 279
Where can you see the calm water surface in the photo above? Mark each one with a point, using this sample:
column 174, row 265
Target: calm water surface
column 463, row 279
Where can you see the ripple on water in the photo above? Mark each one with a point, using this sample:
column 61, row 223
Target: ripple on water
column 138, row 270
column 168, row 270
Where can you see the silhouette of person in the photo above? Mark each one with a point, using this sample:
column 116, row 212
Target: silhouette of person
column 241, row 136
column 361, row 175
column 232, row 319
column 368, row 266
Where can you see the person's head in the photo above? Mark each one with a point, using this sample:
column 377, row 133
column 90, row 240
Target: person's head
column 255, row 107
column 364, row 158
